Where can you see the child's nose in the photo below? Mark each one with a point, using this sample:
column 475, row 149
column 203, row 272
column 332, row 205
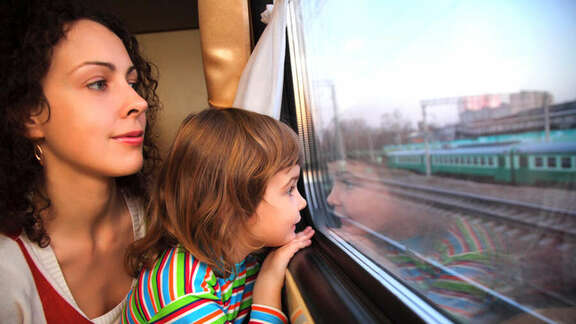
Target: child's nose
column 332, row 198
column 302, row 203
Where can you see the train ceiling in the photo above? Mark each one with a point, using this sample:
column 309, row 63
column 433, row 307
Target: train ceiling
column 149, row 16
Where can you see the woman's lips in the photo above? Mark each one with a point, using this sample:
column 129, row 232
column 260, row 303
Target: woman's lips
column 132, row 138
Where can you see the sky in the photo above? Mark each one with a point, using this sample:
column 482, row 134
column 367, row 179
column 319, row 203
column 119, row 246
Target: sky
column 382, row 56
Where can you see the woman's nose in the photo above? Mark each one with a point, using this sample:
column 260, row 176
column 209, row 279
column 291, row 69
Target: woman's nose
column 136, row 104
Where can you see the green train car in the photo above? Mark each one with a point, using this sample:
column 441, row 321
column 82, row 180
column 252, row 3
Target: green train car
column 525, row 164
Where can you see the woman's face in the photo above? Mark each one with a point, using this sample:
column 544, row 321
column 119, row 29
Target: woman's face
column 95, row 122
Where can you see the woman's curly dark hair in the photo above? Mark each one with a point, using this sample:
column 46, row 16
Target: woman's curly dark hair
column 30, row 30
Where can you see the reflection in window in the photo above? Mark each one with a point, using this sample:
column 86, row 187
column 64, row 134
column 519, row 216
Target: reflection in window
column 407, row 104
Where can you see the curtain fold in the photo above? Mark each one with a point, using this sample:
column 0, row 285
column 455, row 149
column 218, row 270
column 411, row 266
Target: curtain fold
column 225, row 36
column 260, row 87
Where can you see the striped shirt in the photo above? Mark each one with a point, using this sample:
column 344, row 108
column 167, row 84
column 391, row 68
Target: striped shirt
column 180, row 289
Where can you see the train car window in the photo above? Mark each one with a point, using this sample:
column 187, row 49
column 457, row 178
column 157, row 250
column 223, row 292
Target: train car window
column 551, row 161
column 566, row 162
column 392, row 98
column 538, row 162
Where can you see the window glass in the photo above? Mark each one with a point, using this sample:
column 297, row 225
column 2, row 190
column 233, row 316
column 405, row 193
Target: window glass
column 566, row 162
column 538, row 162
column 552, row 162
column 388, row 91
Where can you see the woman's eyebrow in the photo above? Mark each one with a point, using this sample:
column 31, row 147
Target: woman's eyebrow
column 108, row 65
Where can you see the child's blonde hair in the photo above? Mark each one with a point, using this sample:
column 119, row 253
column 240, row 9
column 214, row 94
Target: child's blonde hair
column 210, row 184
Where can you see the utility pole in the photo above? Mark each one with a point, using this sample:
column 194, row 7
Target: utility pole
column 426, row 147
column 341, row 150
column 546, row 117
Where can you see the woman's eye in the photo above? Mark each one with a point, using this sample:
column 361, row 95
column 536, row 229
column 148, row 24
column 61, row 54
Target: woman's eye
column 133, row 84
column 97, row 85
column 291, row 190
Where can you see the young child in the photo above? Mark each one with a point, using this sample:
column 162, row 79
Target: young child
column 226, row 190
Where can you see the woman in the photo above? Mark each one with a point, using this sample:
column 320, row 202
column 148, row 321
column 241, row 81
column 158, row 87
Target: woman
column 76, row 104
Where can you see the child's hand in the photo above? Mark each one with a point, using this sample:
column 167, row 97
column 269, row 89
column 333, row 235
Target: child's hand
column 270, row 279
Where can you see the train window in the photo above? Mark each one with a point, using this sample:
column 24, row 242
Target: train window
column 538, row 162
column 566, row 162
column 552, row 162
column 383, row 81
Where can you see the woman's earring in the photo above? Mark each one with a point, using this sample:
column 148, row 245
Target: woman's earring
column 38, row 153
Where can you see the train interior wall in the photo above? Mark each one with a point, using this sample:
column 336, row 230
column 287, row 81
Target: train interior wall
column 181, row 85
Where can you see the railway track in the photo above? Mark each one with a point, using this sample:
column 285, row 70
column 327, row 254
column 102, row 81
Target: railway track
column 519, row 214
column 521, row 221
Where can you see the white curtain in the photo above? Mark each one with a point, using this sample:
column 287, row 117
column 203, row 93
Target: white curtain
column 260, row 87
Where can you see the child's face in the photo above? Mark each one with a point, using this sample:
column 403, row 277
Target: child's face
column 276, row 216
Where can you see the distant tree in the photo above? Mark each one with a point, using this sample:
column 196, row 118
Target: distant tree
column 356, row 137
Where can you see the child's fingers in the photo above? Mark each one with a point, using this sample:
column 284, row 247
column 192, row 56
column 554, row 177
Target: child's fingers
column 301, row 241
column 306, row 233
column 280, row 257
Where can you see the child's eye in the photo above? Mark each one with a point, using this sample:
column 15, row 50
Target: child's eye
column 98, row 85
column 291, row 190
column 133, row 84
column 349, row 185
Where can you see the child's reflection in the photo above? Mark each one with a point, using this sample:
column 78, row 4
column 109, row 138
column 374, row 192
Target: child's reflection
column 372, row 216
column 357, row 194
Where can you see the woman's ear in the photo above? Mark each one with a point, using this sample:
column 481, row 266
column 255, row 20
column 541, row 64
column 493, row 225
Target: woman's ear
column 35, row 123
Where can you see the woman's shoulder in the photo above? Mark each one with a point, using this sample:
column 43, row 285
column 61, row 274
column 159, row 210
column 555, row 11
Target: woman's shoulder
column 17, row 288
column 17, row 267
